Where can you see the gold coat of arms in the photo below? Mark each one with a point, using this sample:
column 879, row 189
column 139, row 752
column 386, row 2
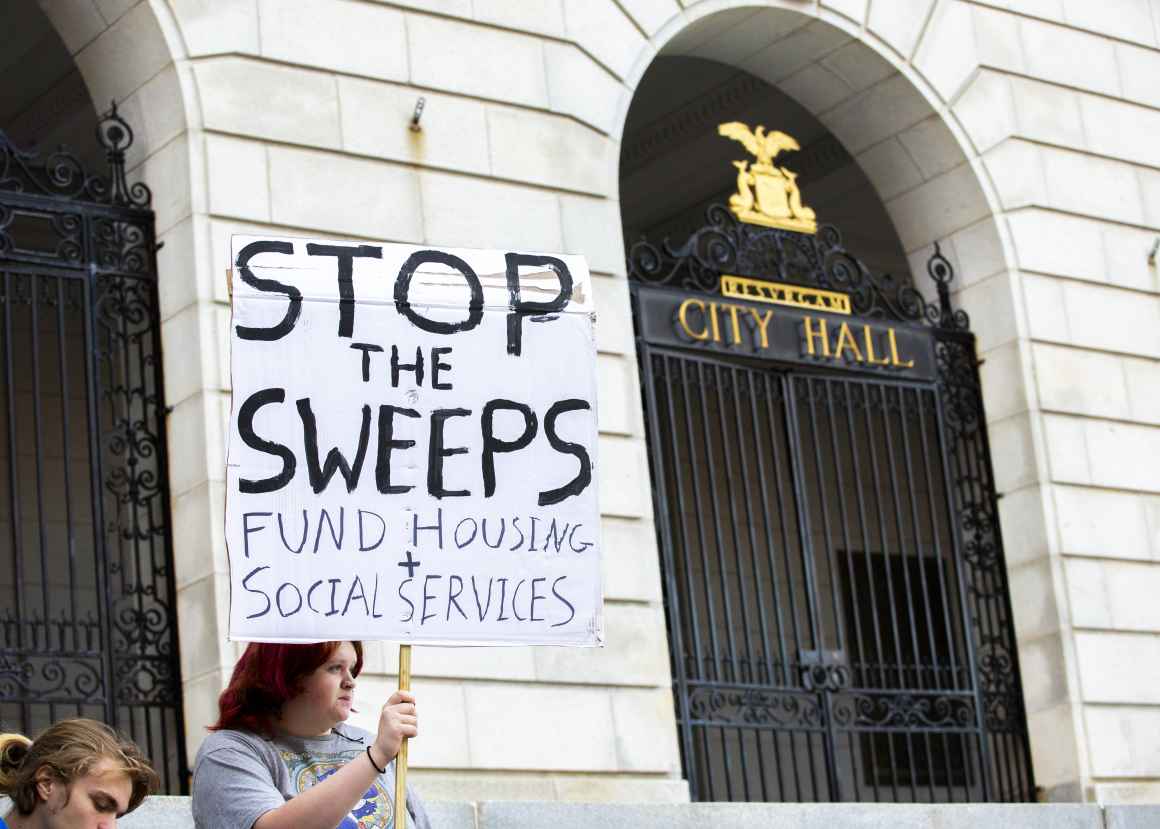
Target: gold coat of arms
column 766, row 194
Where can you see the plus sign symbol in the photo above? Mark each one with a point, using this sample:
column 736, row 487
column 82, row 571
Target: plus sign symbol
column 410, row 564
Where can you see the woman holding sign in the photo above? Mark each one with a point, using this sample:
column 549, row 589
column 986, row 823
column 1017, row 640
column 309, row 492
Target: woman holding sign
column 281, row 755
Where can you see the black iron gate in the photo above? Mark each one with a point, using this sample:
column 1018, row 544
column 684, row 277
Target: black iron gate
column 836, row 598
column 87, row 618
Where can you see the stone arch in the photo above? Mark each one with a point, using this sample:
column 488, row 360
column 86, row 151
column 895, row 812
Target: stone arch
column 129, row 53
column 894, row 85
column 937, row 188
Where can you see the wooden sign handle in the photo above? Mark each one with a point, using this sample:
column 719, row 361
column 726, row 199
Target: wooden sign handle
column 401, row 760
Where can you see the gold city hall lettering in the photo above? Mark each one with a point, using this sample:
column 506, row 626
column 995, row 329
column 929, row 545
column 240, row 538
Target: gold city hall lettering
column 816, row 337
column 715, row 316
column 845, row 342
column 683, row 318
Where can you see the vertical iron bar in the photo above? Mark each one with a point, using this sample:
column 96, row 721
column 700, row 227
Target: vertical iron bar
column 731, row 500
column 38, row 457
column 863, row 531
column 759, row 598
column 1018, row 736
column 723, row 571
column 955, row 681
column 844, row 517
column 708, row 786
column 675, row 602
column 967, row 480
column 899, row 529
column 827, row 535
column 709, row 604
column 96, row 477
column 62, row 366
column 128, row 514
column 775, row 738
column 132, row 503
column 928, row 481
column 953, row 506
column 178, row 707
column 827, row 540
column 889, row 579
column 841, row 499
column 735, row 374
column 793, row 433
column 892, row 474
column 714, row 645
column 775, row 436
column 987, row 613
column 992, row 616
column 967, row 746
column 769, row 548
column 728, row 608
column 783, row 434
column 17, row 528
column 908, row 484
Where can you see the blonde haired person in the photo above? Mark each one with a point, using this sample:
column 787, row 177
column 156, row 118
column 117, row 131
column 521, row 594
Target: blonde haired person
column 78, row 774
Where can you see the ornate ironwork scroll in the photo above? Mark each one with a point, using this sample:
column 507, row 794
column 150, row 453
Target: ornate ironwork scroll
column 726, row 246
column 62, row 175
column 754, row 707
column 911, row 712
column 86, row 578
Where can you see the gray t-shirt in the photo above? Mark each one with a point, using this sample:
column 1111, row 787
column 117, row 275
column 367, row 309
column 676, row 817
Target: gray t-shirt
column 239, row 776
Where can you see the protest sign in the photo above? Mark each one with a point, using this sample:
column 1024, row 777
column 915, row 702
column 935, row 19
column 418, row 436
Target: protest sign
column 412, row 445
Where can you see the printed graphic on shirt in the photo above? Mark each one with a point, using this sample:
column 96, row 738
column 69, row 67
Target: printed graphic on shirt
column 374, row 811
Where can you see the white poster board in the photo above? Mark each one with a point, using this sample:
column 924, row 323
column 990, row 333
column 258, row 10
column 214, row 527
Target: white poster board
column 412, row 445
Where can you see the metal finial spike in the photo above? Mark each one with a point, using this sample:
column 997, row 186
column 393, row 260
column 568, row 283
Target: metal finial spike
column 940, row 270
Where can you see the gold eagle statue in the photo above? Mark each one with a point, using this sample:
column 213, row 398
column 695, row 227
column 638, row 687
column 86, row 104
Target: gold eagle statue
column 765, row 146
column 766, row 194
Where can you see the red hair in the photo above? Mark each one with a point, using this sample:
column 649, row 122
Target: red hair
column 266, row 677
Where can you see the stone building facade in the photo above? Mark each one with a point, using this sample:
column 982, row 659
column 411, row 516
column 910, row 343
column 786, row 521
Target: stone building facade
column 1019, row 134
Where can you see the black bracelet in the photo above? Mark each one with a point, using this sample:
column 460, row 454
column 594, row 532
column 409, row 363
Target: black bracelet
column 371, row 757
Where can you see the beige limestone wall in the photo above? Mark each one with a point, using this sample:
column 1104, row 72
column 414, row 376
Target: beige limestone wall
column 1061, row 115
column 1020, row 133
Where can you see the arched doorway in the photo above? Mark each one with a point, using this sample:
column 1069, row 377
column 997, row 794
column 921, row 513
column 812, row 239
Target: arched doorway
column 87, row 616
column 839, row 619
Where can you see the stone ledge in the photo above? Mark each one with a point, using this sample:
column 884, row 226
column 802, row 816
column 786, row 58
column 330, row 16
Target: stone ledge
column 1131, row 817
column 173, row 813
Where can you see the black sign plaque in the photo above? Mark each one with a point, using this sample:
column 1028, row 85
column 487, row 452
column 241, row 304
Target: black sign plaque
column 785, row 334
